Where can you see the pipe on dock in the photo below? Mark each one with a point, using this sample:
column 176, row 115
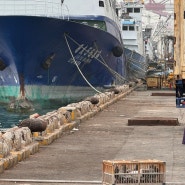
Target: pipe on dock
column 50, row 181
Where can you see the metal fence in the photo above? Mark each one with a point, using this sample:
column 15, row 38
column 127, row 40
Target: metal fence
column 134, row 172
column 136, row 64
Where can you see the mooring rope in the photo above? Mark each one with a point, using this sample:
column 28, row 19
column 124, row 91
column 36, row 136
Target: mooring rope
column 102, row 62
column 78, row 66
column 117, row 75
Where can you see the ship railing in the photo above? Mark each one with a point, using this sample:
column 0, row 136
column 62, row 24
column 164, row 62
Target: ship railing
column 133, row 1
column 136, row 65
column 45, row 8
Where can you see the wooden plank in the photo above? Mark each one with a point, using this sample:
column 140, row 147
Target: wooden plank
column 163, row 94
column 153, row 121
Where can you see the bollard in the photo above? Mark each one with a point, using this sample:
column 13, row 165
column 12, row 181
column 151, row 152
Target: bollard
column 183, row 141
column 35, row 125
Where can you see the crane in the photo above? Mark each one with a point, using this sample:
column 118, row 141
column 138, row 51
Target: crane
column 179, row 52
column 161, row 8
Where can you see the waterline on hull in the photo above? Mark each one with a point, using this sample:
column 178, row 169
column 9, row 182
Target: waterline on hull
column 46, row 93
column 43, row 98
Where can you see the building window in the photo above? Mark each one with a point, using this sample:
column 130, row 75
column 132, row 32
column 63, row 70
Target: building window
column 101, row 4
column 136, row 10
column 129, row 10
column 124, row 28
column 131, row 28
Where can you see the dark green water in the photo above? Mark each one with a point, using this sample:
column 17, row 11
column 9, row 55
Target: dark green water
column 10, row 119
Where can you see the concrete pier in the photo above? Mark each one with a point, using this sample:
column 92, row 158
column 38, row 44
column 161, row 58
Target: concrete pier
column 76, row 156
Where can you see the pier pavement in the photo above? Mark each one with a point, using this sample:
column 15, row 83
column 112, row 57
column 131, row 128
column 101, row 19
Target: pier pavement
column 76, row 157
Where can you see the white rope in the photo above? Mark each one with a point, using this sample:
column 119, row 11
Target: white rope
column 110, row 69
column 103, row 63
column 78, row 66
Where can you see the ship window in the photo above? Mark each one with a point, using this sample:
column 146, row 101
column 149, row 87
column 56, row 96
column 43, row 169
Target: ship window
column 101, row 4
column 136, row 10
column 129, row 10
column 124, row 27
column 131, row 28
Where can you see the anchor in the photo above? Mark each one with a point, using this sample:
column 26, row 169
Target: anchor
column 21, row 104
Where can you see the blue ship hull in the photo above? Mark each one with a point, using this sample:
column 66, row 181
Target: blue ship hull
column 50, row 58
column 136, row 64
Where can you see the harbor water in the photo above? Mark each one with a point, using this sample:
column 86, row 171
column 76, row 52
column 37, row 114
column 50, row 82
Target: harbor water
column 9, row 119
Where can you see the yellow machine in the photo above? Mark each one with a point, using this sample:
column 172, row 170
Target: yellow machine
column 179, row 51
column 179, row 47
column 153, row 82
